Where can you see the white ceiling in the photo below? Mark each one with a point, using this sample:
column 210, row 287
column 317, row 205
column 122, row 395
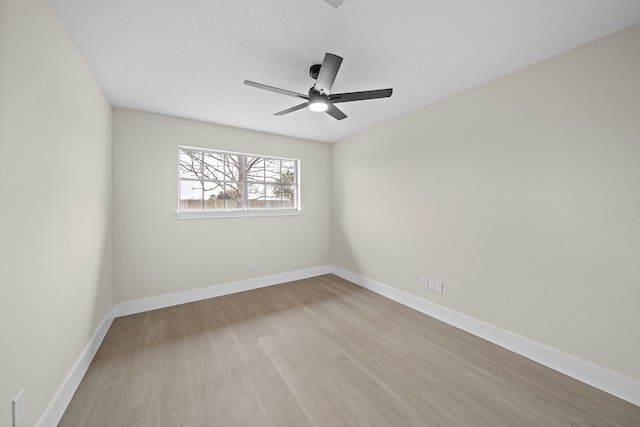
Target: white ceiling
column 189, row 58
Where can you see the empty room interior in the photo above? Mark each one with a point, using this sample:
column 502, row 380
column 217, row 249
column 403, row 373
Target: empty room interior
column 319, row 213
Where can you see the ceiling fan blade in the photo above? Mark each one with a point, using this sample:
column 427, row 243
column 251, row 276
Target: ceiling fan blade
column 328, row 72
column 276, row 89
column 360, row 96
column 335, row 112
column 292, row 109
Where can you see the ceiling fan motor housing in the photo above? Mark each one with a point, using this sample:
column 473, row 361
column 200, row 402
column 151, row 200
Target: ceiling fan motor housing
column 315, row 94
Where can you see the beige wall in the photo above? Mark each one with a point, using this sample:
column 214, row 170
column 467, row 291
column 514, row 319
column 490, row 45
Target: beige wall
column 522, row 195
column 55, row 195
column 155, row 253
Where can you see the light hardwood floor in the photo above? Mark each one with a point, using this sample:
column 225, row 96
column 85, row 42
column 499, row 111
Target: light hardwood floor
column 320, row 352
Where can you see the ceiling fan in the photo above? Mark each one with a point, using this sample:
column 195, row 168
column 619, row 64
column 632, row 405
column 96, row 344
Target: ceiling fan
column 320, row 97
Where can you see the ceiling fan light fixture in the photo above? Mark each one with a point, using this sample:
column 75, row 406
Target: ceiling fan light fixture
column 317, row 102
column 318, row 105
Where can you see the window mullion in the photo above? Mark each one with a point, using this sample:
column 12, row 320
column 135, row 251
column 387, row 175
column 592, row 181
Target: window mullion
column 281, row 182
column 264, row 182
column 245, row 184
column 202, row 180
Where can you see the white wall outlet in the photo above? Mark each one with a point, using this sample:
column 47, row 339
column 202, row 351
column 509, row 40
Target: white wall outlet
column 431, row 284
column 437, row 287
column 17, row 407
column 252, row 265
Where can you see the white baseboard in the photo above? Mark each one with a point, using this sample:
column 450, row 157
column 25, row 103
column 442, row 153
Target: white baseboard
column 53, row 413
column 152, row 303
column 586, row 372
column 596, row 376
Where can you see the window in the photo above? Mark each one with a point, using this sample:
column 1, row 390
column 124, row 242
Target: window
column 221, row 183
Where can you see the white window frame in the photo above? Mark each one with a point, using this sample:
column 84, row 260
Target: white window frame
column 245, row 211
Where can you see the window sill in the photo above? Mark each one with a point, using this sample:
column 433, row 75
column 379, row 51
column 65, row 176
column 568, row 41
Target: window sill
column 237, row 214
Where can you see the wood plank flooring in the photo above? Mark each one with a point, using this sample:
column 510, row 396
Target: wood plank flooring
column 320, row 352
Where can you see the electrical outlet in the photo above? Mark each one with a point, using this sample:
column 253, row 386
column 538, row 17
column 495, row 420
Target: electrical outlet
column 252, row 265
column 437, row 288
column 18, row 408
column 432, row 285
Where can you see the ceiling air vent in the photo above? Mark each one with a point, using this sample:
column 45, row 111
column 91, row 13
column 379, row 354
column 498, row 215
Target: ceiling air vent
column 335, row 3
